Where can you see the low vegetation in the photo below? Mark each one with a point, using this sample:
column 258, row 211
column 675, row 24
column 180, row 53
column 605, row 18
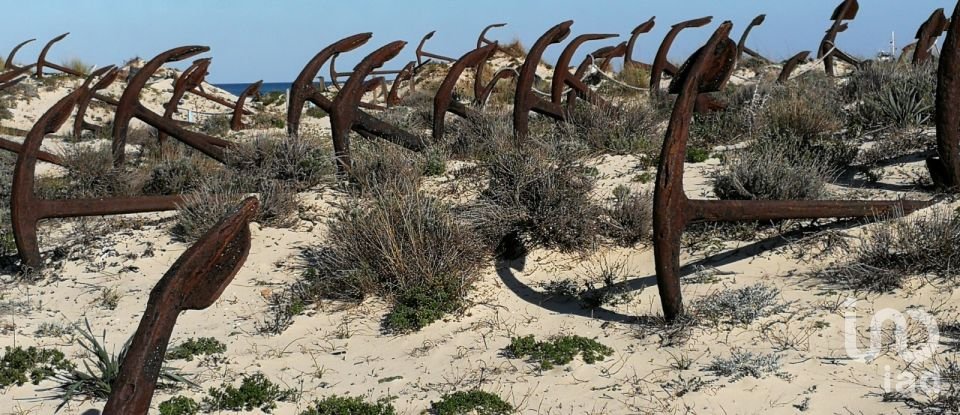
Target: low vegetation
column 474, row 402
column 559, row 350
column 341, row 405
column 192, row 348
column 742, row 363
column 19, row 366
column 738, row 305
column 256, row 391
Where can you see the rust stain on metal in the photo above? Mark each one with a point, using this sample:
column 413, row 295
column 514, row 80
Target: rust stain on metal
column 194, row 282
column 303, row 90
column 673, row 211
column 27, row 209
column 660, row 63
column 945, row 168
column 344, row 109
column 406, row 75
column 562, row 78
column 79, row 122
column 524, row 100
column 927, row 35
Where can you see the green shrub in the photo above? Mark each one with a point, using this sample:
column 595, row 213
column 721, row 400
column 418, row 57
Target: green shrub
column 631, row 216
column 201, row 346
column 403, row 245
column 101, row 369
column 337, row 405
column 215, row 125
column 474, row 402
column 255, row 392
column 179, row 405
column 697, row 155
column 631, row 129
column 887, row 94
column 542, row 197
column 772, row 169
column 18, row 365
column 890, row 252
column 558, row 351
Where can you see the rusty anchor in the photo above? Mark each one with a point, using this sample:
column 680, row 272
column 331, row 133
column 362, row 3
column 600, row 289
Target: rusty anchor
column 27, row 209
column 742, row 45
column 707, row 71
column 42, row 60
column 791, row 65
column 236, row 120
column 303, row 90
column 129, row 107
column 194, row 282
column 660, row 63
column 190, row 78
column 945, row 167
column 828, row 49
column 562, row 78
column 14, row 76
column 444, row 100
column 927, row 36
column 344, row 108
column 524, row 100
column 9, row 64
column 420, row 53
column 644, row 27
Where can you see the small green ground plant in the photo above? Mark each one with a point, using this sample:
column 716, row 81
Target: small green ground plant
column 343, row 405
column 474, row 402
column 559, row 350
column 179, row 405
column 192, row 348
column 19, row 366
column 256, row 391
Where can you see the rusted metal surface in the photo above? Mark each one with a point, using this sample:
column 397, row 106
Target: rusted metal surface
column 828, row 49
column 660, row 62
column 303, row 90
column 945, row 168
column 524, row 100
column 236, row 120
column 194, row 282
column 9, row 64
column 644, row 27
column 343, row 112
column 927, row 35
column 420, row 53
column 707, row 71
column 42, row 59
column 444, row 101
column 27, row 209
column 129, row 107
column 605, row 54
column 742, row 45
column 791, row 65
column 190, row 78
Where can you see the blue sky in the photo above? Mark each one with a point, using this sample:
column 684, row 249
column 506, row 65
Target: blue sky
column 253, row 40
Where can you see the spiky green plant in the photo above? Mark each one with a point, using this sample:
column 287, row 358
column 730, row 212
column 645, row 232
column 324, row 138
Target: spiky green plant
column 100, row 369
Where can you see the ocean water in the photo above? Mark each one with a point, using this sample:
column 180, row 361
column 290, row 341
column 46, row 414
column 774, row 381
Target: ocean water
column 267, row 87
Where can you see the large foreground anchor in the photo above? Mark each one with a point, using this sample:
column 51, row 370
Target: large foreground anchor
column 828, row 48
column 27, row 209
column 707, row 71
column 194, row 282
